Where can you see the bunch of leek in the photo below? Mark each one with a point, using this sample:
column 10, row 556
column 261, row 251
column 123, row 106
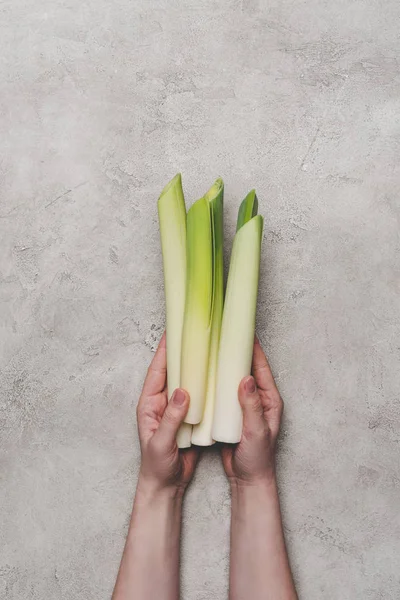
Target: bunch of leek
column 209, row 344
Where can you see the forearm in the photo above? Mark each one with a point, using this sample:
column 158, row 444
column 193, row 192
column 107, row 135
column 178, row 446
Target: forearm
column 259, row 563
column 150, row 563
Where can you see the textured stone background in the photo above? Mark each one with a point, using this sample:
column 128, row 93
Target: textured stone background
column 101, row 104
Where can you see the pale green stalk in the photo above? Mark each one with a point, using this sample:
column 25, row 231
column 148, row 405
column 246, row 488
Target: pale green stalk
column 198, row 308
column 172, row 219
column 238, row 324
column 201, row 435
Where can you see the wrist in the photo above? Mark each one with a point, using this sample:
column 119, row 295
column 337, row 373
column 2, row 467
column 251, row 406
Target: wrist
column 156, row 513
column 255, row 498
column 150, row 490
column 258, row 485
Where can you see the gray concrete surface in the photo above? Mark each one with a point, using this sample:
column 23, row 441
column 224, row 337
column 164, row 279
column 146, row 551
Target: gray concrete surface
column 101, row 104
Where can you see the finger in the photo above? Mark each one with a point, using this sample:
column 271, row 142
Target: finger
column 157, row 372
column 273, row 416
column 249, row 398
column 227, row 455
column 149, row 412
column 190, row 457
column 270, row 397
column 261, row 369
column 172, row 418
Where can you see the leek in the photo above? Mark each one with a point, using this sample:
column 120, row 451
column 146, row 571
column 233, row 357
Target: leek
column 172, row 218
column 247, row 210
column 238, row 322
column 201, row 248
column 201, row 435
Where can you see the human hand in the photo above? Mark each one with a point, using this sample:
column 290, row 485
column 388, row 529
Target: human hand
column 163, row 466
column 253, row 459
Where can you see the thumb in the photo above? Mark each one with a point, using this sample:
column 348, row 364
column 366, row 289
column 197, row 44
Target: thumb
column 249, row 398
column 173, row 417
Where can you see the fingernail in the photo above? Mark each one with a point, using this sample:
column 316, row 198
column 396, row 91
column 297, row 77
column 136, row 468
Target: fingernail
column 179, row 397
column 250, row 385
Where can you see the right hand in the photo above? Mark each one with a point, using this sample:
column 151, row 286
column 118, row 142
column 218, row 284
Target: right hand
column 252, row 461
column 163, row 466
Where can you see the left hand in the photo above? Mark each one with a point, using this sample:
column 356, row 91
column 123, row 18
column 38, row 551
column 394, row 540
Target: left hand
column 252, row 461
column 163, row 465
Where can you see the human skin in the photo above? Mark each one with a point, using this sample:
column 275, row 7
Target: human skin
column 259, row 564
column 150, row 563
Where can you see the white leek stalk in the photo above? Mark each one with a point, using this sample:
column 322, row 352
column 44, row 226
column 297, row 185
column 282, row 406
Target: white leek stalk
column 201, row 435
column 199, row 300
column 172, row 218
column 238, row 322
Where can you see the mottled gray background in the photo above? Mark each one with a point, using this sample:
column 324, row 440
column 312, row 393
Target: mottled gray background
column 101, row 104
